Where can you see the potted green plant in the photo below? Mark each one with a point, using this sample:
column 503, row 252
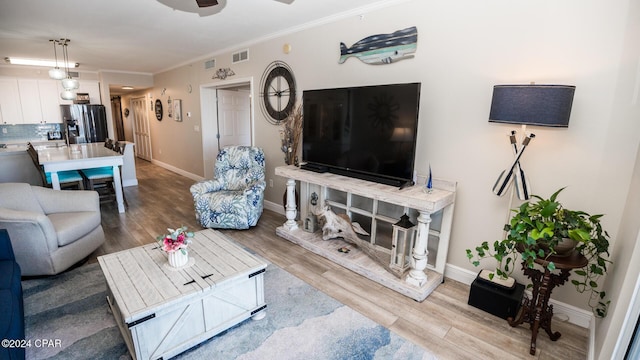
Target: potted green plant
column 543, row 227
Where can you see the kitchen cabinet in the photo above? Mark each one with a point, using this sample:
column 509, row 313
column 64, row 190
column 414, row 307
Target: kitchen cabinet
column 93, row 89
column 10, row 110
column 50, row 101
column 86, row 86
column 30, row 101
column 39, row 101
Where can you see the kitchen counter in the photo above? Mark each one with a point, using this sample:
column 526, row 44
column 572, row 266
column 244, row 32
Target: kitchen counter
column 12, row 149
column 16, row 147
column 16, row 164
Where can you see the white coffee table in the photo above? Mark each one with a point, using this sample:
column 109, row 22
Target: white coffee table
column 162, row 311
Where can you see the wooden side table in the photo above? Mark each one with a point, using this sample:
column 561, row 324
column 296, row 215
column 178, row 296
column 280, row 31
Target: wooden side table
column 537, row 311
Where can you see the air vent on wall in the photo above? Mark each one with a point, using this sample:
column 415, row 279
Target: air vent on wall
column 74, row 74
column 210, row 64
column 240, row 56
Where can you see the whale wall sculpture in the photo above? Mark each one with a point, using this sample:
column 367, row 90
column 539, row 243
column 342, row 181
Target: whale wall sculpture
column 382, row 48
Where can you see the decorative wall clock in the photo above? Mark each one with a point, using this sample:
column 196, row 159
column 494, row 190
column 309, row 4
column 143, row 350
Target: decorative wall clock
column 277, row 92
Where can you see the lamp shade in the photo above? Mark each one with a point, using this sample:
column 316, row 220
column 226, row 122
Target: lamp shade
column 70, row 84
column 68, row 95
column 57, row 73
column 542, row 105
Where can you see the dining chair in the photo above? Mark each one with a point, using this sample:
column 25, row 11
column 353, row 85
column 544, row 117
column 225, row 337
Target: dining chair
column 108, row 143
column 68, row 179
column 101, row 179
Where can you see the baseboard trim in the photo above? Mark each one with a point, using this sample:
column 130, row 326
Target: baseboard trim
column 177, row 170
column 562, row 311
column 278, row 208
column 130, row 182
column 269, row 205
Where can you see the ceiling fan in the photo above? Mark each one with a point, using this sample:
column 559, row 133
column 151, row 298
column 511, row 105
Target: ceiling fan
column 207, row 3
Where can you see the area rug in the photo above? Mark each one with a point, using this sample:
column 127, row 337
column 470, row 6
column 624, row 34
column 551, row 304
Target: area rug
column 67, row 317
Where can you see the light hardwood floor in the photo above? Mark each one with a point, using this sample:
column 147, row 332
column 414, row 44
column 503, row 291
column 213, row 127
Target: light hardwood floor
column 443, row 323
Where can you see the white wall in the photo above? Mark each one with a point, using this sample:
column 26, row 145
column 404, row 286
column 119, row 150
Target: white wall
column 464, row 48
column 624, row 272
column 621, row 286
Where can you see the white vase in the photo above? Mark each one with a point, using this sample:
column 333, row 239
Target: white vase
column 178, row 259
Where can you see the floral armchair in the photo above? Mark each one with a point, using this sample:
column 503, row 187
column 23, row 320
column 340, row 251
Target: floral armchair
column 234, row 198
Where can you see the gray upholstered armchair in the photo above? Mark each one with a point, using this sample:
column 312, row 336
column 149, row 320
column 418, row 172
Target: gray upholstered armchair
column 50, row 230
column 234, row 198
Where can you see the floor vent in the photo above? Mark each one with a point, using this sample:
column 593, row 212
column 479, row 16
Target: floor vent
column 210, row 64
column 240, row 56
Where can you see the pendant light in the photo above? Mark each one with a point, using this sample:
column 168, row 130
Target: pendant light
column 68, row 95
column 68, row 83
column 56, row 73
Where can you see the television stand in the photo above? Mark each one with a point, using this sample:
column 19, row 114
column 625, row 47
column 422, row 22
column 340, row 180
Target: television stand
column 314, row 167
column 381, row 179
column 380, row 206
column 406, row 185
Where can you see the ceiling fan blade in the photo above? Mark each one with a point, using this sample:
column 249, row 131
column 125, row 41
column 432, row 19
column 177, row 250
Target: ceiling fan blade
column 206, row 3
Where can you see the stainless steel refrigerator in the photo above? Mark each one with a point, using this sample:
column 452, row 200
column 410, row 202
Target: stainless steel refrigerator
column 84, row 123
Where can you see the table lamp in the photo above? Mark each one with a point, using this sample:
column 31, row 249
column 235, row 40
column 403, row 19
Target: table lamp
column 539, row 105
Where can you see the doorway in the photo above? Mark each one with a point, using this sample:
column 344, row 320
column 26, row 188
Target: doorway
column 116, row 112
column 141, row 136
column 234, row 118
column 227, row 118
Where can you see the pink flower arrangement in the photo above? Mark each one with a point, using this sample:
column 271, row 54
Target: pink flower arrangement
column 178, row 239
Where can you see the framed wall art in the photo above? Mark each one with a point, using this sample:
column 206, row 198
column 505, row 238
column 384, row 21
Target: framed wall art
column 177, row 109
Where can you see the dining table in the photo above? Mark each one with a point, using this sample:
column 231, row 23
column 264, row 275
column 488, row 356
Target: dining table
column 82, row 156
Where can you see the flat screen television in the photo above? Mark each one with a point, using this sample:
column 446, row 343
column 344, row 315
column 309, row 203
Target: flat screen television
column 367, row 132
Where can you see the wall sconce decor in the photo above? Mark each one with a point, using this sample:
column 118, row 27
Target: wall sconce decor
column 403, row 238
column 223, row 73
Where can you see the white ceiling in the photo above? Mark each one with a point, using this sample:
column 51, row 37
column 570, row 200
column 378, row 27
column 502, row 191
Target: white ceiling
column 149, row 36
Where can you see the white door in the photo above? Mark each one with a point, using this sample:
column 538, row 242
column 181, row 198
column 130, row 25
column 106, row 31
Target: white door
column 141, row 129
column 210, row 125
column 234, row 118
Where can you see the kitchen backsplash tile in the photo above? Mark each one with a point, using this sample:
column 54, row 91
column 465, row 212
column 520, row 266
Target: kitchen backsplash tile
column 26, row 132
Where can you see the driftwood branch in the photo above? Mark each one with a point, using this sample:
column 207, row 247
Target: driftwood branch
column 340, row 226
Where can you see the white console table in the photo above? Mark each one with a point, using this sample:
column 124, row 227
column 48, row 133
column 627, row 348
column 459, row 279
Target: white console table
column 378, row 206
